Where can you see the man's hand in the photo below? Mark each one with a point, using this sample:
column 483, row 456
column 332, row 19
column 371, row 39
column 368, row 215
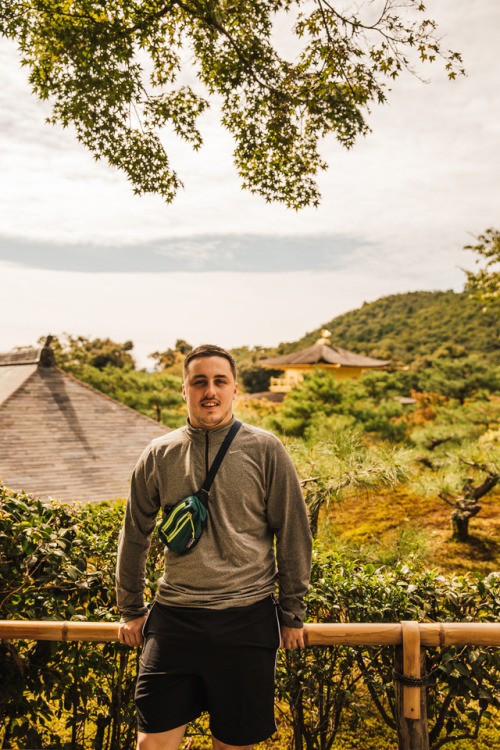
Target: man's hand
column 292, row 637
column 130, row 633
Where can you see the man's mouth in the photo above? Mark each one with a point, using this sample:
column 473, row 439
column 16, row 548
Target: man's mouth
column 210, row 404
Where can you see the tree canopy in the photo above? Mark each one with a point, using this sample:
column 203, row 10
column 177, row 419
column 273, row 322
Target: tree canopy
column 484, row 284
column 412, row 326
column 119, row 71
column 73, row 353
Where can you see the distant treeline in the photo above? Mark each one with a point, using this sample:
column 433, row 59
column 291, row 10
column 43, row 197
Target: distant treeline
column 409, row 329
column 412, row 328
column 408, row 326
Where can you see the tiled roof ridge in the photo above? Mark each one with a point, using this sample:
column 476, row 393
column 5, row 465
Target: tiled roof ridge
column 44, row 356
column 326, row 353
column 113, row 400
column 29, row 356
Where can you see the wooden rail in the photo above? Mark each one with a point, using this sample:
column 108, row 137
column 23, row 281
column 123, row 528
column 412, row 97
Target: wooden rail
column 410, row 637
column 317, row 634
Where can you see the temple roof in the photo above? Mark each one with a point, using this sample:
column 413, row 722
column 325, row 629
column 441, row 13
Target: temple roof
column 60, row 437
column 21, row 357
column 323, row 354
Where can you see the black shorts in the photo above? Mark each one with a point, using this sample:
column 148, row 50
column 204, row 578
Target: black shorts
column 220, row 661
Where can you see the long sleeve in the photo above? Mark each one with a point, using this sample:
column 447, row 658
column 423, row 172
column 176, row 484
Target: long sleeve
column 287, row 516
column 135, row 538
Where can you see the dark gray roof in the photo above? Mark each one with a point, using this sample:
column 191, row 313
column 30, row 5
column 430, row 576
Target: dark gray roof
column 323, row 354
column 21, row 357
column 59, row 437
column 12, row 377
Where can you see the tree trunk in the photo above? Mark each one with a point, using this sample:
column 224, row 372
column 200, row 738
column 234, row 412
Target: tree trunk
column 460, row 526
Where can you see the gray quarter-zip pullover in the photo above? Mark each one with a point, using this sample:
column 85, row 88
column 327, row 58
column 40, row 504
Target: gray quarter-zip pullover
column 255, row 501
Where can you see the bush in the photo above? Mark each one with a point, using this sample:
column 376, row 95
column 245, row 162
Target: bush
column 322, row 400
column 321, row 683
column 57, row 562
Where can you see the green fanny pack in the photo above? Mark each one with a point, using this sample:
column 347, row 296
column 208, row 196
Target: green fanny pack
column 183, row 524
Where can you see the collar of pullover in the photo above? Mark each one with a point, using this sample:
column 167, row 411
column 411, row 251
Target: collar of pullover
column 216, row 436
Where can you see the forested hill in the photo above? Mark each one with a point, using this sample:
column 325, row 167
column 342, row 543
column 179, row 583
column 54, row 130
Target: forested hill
column 407, row 326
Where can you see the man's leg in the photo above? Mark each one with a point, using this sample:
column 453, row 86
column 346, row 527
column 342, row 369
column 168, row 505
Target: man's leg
column 218, row 745
column 170, row 740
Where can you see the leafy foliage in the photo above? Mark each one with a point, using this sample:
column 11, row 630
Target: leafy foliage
column 72, row 353
column 118, row 71
column 321, row 683
column 484, row 285
column 405, row 327
column 171, row 360
column 460, row 378
column 252, row 378
column 344, row 466
column 57, row 562
column 462, row 473
column 321, row 404
column 156, row 394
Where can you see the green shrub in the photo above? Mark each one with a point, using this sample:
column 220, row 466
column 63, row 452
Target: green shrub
column 320, row 684
column 320, row 399
column 57, row 562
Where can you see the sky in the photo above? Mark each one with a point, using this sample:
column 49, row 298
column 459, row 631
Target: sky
column 79, row 253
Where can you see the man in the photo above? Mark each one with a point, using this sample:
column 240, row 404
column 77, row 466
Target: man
column 212, row 634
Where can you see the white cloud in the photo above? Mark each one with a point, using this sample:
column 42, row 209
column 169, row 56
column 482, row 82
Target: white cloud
column 407, row 198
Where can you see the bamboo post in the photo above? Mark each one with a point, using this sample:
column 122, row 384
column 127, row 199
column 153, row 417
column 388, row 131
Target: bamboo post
column 411, row 669
column 413, row 734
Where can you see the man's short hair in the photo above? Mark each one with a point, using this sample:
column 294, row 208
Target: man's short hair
column 208, row 350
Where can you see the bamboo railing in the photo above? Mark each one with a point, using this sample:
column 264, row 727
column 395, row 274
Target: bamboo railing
column 412, row 637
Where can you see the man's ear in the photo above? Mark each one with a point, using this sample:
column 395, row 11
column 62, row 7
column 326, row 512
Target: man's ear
column 183, row 391
column 235, row 391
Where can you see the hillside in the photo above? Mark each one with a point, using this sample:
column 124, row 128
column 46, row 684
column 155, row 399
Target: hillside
column 403, row 327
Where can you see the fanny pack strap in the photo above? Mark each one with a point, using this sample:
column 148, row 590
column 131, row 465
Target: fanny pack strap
column 203, row 493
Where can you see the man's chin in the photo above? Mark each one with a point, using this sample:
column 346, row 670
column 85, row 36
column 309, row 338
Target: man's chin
column 210, row 421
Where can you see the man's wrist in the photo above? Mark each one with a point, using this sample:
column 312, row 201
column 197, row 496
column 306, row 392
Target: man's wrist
column 129, row 616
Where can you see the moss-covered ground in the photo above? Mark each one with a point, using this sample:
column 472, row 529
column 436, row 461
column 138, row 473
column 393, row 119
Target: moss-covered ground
column 403, row 523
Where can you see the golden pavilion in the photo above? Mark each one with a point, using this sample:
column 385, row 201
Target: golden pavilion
column 322, row 355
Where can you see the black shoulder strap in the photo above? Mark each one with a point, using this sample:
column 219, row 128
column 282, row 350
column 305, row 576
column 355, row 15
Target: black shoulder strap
column 218, row 460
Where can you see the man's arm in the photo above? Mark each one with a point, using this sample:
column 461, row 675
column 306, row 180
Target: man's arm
column 287, row 516
column 133, row 545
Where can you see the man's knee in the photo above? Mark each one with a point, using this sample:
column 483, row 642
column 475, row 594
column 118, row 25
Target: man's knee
column 218, row 745
column 170, row 740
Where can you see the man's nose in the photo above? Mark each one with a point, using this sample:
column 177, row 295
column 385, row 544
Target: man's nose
column 210, row 389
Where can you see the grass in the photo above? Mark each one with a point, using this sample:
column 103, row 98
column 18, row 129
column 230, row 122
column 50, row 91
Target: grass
column 387, row 527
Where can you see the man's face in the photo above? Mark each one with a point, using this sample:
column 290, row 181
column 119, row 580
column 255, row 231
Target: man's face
column 209, row 390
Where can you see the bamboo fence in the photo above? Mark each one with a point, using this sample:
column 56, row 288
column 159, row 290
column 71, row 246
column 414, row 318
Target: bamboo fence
column 410, row 637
